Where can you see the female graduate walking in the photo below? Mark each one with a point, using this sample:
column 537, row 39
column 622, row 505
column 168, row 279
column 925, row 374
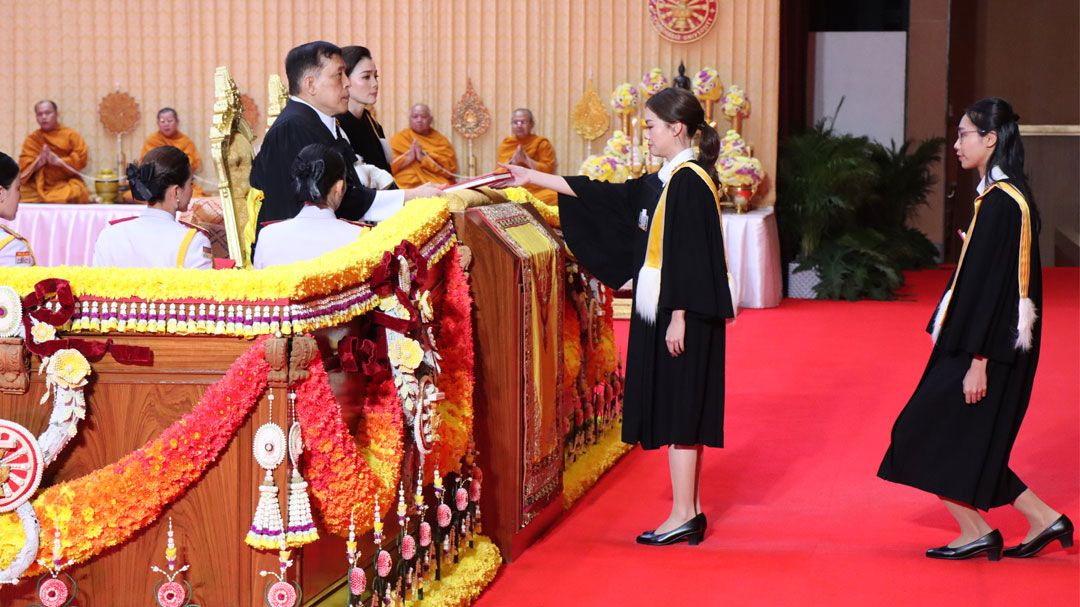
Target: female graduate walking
column 955, row 435
column 663, row 231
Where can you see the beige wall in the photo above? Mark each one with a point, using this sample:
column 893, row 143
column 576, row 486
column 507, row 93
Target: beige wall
column 535, row 53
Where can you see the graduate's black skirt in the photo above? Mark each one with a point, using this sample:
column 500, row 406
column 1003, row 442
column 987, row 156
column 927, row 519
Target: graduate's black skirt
column 674, row 400
column 959, row 451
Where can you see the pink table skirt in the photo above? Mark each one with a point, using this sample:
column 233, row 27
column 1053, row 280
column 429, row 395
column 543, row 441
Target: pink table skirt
column 64, row 234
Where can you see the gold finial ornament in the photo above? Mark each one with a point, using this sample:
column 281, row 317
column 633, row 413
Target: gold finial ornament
column 590, row 117
column 230, row 146
column 278, row 96
column 470, row 119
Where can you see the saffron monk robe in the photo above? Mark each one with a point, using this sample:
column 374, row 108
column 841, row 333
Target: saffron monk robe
column 422, row 154
column 523, row 148
column 51, row 159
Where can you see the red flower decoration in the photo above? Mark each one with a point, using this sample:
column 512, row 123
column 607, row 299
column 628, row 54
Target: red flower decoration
column 357, row 581
column 281, row 594
column 383, row 563
column 461, row 499
column 474, row 491
column 425, row 534
column 408, row 547
column 171, row 594
column 443, row 515
column 53, row 593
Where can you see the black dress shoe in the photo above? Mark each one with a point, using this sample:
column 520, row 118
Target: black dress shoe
column 1061, row 530
column 699, row 516
column 692, row 532
column 989, row 544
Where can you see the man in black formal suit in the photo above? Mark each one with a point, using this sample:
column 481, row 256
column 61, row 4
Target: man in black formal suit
column 318, row 89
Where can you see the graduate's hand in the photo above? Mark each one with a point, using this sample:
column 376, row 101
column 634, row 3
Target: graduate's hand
column 520, row 175
column 676, row 333
column 975, row 382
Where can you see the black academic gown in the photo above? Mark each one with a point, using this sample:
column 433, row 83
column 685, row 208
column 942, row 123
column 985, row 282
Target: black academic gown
column 364, row 133
column 297, row 126
column 669, row 400
column 940, row 444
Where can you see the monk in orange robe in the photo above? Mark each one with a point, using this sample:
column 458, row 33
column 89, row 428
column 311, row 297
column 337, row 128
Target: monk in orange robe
column 168, row 133
column 526, row 149
column 421, row 154
column 51, row 159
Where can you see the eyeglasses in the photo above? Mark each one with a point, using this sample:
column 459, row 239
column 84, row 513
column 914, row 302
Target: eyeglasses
column 961, row 132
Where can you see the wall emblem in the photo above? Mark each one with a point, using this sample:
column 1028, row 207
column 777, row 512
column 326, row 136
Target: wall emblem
column 683, row 20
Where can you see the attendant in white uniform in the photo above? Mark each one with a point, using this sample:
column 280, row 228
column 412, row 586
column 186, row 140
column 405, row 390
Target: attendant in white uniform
column 318, row 178
column 156, row 239
column 14, row 249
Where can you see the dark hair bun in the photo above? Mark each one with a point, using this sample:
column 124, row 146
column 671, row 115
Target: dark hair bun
column 141, row 179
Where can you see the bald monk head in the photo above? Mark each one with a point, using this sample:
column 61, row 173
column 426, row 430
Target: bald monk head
column 420, row 119
column 168, row 123
column 521, row 123
column 48, row 117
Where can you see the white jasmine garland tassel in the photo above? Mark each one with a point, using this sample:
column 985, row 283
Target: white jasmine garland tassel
column 301, row 529
column 939, row 315
column 267, row 529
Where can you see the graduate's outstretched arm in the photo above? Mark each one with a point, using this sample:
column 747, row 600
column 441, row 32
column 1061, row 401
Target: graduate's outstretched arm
column 525, row 176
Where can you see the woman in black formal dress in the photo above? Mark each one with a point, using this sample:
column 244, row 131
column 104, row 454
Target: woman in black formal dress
column 364, row 132
column 955, row 435
column 665, row 232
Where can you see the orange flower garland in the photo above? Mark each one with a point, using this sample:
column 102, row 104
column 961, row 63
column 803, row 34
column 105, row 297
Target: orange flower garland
column 108, row 506
column 571, row 345
column 604, row 357
column 341, row 475
column 455, row 340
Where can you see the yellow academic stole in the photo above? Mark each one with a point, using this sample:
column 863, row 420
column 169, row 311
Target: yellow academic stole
column 647, row 289
column 1027, row 314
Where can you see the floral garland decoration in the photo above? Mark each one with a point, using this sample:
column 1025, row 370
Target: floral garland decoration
column 145, row 481
column 549, row 212
column 455, row 337
column 653, row 82
column 417, row 222
column 468, row 578
column 344, row 478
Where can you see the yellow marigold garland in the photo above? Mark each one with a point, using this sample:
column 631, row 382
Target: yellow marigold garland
column 550, row 213
column 583, row 473
column 470, row 576
column 350, row 265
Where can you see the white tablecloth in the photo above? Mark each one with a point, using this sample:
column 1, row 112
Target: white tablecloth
column 64, row 234
column 753, row 250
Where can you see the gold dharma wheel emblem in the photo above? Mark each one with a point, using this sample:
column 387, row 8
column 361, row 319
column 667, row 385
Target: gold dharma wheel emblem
column 682, row 20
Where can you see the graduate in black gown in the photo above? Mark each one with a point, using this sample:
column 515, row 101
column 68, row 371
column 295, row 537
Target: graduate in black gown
column 365, row 133
column 664, row 232
column 955, row 435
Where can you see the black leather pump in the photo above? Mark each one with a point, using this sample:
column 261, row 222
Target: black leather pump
column 1061, row 530
column 990, row 544
column 692, row 532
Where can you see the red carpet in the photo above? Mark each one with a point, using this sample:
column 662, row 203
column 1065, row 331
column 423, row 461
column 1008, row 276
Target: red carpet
column 796, row 513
